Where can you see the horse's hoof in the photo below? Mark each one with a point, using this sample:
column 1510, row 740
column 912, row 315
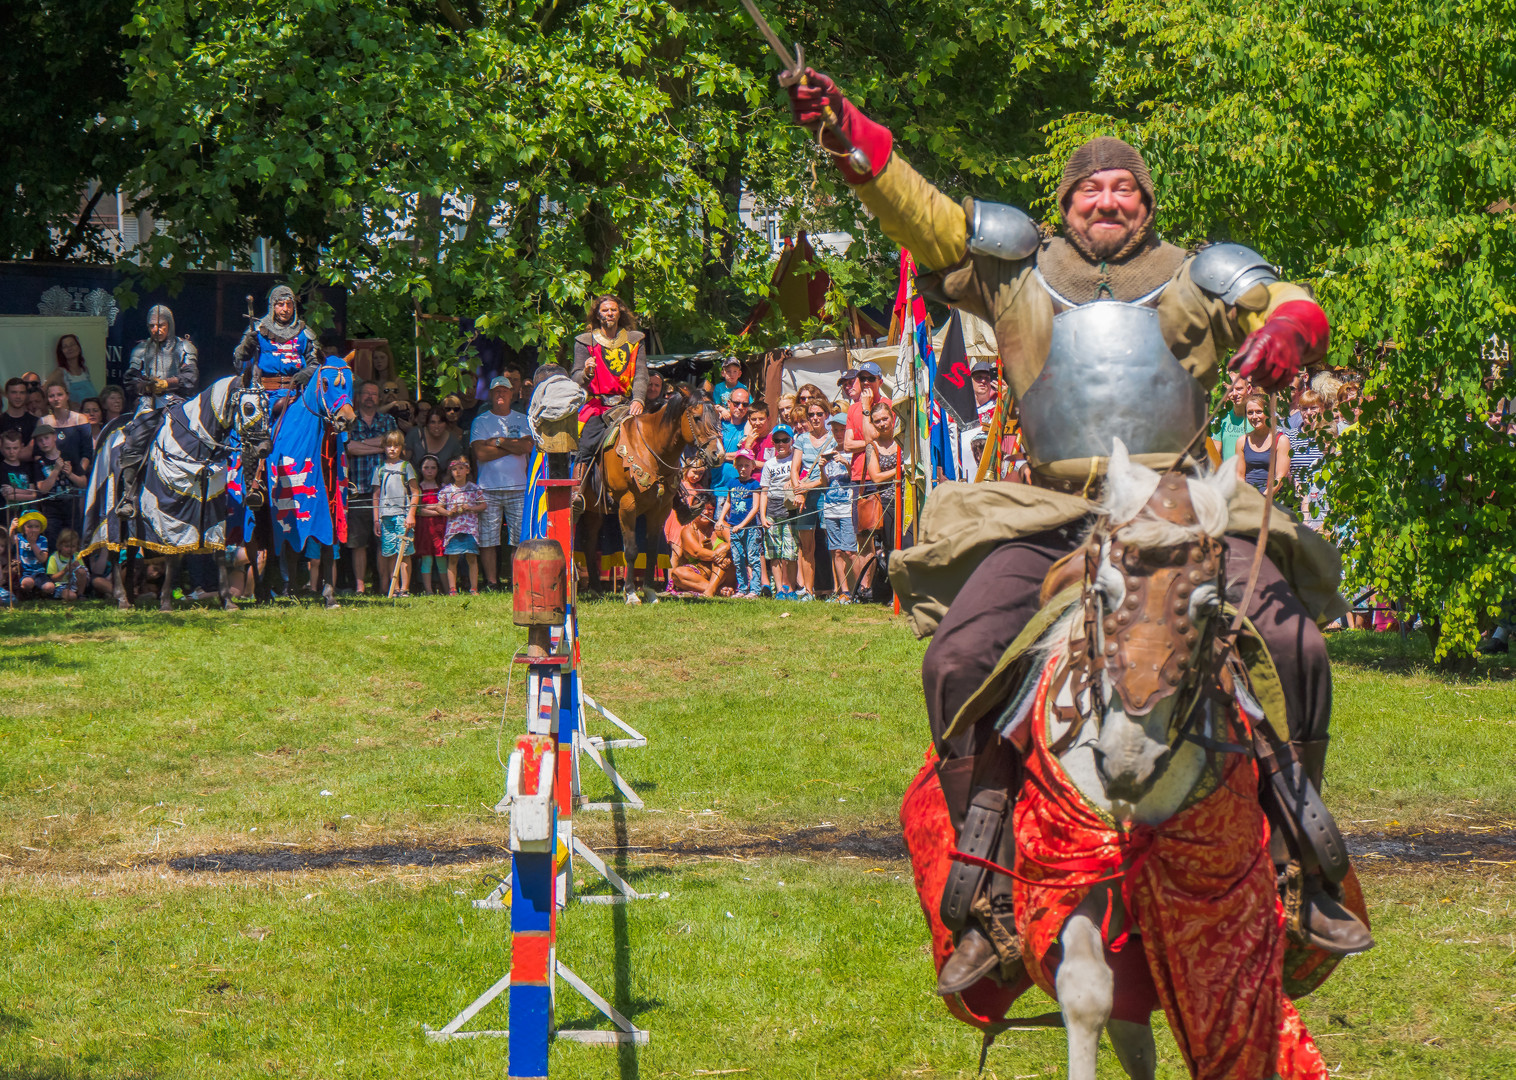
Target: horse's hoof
column 633, row 599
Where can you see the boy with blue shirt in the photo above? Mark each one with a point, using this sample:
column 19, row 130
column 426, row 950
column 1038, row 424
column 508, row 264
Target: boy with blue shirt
column 739, row 509
column 731, row 376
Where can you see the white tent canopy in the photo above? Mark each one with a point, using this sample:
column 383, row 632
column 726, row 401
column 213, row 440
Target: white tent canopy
column 822, row 361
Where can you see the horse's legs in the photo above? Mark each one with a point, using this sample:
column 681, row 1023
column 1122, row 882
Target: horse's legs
column 589, row 524
column 288, row 562
column 327, row 569
column 224, row 585
column 626, row 512
column 1086, row 988
column 118, row 582
column 1134, row 1048
column 166, row 590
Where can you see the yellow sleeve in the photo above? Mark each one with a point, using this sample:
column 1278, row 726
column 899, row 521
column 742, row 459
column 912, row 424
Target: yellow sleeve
column 1279, row 292
column 918, row 217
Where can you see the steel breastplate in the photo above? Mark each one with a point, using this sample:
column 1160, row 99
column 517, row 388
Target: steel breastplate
column 1109, row 374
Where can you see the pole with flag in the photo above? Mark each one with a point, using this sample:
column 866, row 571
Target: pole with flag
column 917, row 356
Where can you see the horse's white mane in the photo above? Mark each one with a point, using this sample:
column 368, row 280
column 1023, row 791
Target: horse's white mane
column 1129, row 486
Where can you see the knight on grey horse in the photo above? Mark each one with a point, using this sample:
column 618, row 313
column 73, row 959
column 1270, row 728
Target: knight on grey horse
column 163, row 370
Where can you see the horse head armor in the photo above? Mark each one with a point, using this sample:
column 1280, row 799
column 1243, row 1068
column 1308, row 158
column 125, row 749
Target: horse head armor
column 1152, row 575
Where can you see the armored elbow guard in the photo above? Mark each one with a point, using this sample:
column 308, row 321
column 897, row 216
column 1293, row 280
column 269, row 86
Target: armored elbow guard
column 1228, row 271
column 1002, row 231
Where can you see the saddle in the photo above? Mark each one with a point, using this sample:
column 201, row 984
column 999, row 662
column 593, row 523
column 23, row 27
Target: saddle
column 617, row 416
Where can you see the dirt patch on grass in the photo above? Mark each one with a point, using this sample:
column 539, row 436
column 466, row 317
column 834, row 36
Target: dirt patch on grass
column 1477, row 846
column 1377, row 850
column 335, row 858
column 826, row 841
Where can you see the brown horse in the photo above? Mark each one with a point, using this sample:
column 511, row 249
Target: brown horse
column 639, row 476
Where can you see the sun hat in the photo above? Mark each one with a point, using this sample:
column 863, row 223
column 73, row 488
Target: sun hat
column 501, row 381
column 31, row 515
column 848, row 376
column 744, row 453
column 837, row 418
column 868, row 367
column 783, row 429
column 982, row 367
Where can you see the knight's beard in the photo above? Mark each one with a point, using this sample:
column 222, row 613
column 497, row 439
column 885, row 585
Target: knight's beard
column 1106, row 244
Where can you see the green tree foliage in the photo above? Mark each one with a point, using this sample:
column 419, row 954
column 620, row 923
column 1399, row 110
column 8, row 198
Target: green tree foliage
column 1366, row 145
column 62, row 84
column 509, row 160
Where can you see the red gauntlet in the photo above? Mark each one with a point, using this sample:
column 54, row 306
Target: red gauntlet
column 1296, row 334
column 808, row 101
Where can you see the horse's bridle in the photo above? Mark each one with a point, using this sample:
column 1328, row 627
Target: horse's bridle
column 1148, row 646
column 702, row 436
column 250, row 416
column 327, row 416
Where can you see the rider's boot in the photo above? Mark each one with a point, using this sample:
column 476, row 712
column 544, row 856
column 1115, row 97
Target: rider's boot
column 576, row 504
column 1324, row 921
column 974, row 957
column 989, row 944
column 126, row 501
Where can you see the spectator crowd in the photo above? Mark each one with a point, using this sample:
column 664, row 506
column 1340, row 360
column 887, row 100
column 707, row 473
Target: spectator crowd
column 804, row 505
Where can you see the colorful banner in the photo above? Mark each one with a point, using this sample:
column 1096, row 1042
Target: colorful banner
column 534, row 507
column 917, row 356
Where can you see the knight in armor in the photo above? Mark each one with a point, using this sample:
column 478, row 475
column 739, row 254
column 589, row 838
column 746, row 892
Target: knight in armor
column 1104, row 331
column 280, row 344
column 608, row 363
column 163, row 370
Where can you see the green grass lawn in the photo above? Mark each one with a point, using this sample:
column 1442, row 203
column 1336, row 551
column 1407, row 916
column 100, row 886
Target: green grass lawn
column 129, row 740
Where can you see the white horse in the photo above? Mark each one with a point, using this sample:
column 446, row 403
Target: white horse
column 1121, row 717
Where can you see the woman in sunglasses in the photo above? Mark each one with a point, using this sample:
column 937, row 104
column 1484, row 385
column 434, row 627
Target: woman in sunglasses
column 814, row 443
column 435, row 438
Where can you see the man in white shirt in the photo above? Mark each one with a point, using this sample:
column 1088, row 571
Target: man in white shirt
column 501, row 441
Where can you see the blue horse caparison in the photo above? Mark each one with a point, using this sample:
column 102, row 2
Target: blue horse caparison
column 307, row 471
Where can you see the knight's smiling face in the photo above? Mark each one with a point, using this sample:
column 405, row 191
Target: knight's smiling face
column 1106, row 209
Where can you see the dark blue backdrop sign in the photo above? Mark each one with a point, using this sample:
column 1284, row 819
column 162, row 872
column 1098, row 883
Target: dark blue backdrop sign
column 210, row 306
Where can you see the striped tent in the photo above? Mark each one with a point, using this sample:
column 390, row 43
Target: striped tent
column 182, row 505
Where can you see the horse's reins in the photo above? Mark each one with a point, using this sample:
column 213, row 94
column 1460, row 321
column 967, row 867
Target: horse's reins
column 1228, row 639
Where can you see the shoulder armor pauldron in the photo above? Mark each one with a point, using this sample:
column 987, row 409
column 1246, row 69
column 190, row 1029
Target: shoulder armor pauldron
column 1002, row 231
column 1229, row 270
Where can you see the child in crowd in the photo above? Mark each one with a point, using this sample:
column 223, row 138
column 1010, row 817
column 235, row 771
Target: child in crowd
column 59, row 482
column 731, row 379
column 739, row 509
column 31, row 556
column 775, row 511
column 6, row 596
column 430, row 524
column 461, row 501
column 65, row 570
column 15, row 475
column 837, row 512
column 100, row 568
column 398, row 493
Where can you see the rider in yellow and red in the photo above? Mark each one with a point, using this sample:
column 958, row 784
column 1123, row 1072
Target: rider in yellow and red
column 1104, row 331
column 609, row 364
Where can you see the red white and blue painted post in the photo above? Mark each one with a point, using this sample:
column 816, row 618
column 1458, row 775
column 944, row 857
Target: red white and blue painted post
column 540, row 781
